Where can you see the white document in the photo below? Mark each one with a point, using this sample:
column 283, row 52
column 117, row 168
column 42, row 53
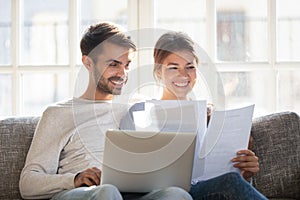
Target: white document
column 172, row 115
column 178, row 116
column 228, row 132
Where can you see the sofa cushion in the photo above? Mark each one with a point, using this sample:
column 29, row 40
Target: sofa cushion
column 277, row 144
column 15, row 138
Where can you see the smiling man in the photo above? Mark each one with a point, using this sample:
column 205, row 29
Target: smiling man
column 65, row 158
column 108, row 71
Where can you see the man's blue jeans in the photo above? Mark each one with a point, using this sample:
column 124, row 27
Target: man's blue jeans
column 228, row 186
column 110, row 192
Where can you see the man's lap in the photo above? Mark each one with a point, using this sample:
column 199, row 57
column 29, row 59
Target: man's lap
column 110, row 192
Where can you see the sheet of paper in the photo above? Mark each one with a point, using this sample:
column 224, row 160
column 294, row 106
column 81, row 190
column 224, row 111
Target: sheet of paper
column 170, row 115
column 178, row 116
column 228, row 132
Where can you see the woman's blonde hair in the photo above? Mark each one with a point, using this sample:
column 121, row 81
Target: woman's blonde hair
column 169, row 43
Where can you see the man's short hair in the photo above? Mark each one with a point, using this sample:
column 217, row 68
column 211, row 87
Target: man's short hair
column 95, row 35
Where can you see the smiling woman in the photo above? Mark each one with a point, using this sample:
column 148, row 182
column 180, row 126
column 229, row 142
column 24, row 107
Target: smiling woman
column 175, row 65
column 177, row 87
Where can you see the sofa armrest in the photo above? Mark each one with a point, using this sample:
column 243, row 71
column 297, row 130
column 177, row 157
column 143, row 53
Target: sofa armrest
column 15, row 138
column 277, row 144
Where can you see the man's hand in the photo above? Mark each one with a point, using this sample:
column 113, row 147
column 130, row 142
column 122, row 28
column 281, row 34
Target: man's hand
column 247, row 162
column 88, row 177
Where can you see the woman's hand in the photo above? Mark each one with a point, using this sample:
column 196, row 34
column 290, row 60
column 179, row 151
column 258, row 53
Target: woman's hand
column 247, row 162
column 88, row 177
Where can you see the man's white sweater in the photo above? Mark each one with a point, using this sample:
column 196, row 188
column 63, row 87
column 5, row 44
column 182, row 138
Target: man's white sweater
column 69, row 138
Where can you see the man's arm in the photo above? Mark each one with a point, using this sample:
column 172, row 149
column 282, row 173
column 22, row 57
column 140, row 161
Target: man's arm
column 39, row 178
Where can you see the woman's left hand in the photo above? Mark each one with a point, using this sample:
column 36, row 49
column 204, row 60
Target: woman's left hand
column 247, row 162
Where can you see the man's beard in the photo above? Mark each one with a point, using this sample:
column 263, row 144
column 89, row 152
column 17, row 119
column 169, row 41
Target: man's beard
column 103, row 84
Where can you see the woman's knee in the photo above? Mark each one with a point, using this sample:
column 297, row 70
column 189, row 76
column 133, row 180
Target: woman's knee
column 234, row 182
column 234, row 175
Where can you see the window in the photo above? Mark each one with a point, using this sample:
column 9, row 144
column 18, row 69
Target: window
column 241, row 30
column 5, row 94
column 5, row 58
column 40, row 55
column 44, row 33
column 93, row 11
column 288, row 30
column 189, row 17
column 252, row 44
column 5, row 32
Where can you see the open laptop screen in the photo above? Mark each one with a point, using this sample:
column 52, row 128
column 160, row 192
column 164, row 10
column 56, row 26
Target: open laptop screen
column 142, row 161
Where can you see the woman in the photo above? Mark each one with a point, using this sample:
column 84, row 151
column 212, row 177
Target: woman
column 176, row 69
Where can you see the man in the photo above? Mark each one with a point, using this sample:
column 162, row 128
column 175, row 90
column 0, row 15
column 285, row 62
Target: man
column 65, row 157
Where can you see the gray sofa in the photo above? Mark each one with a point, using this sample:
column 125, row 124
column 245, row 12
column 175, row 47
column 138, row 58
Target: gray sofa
column 276, row 143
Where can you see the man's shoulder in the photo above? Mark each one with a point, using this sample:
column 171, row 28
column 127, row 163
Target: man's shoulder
column 61, row 104
column 59, row 107
column 76, row 107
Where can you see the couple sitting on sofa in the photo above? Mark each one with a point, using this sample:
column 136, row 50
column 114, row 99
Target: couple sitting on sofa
column 73, row 131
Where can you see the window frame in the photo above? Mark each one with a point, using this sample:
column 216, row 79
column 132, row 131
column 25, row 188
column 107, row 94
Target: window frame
column 141, row 14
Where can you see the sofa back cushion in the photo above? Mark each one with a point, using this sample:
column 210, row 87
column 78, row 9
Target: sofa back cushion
column 277, row 144
column 15, row 139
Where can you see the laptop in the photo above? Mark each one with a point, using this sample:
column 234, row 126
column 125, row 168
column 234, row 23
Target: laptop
column 142, row 161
